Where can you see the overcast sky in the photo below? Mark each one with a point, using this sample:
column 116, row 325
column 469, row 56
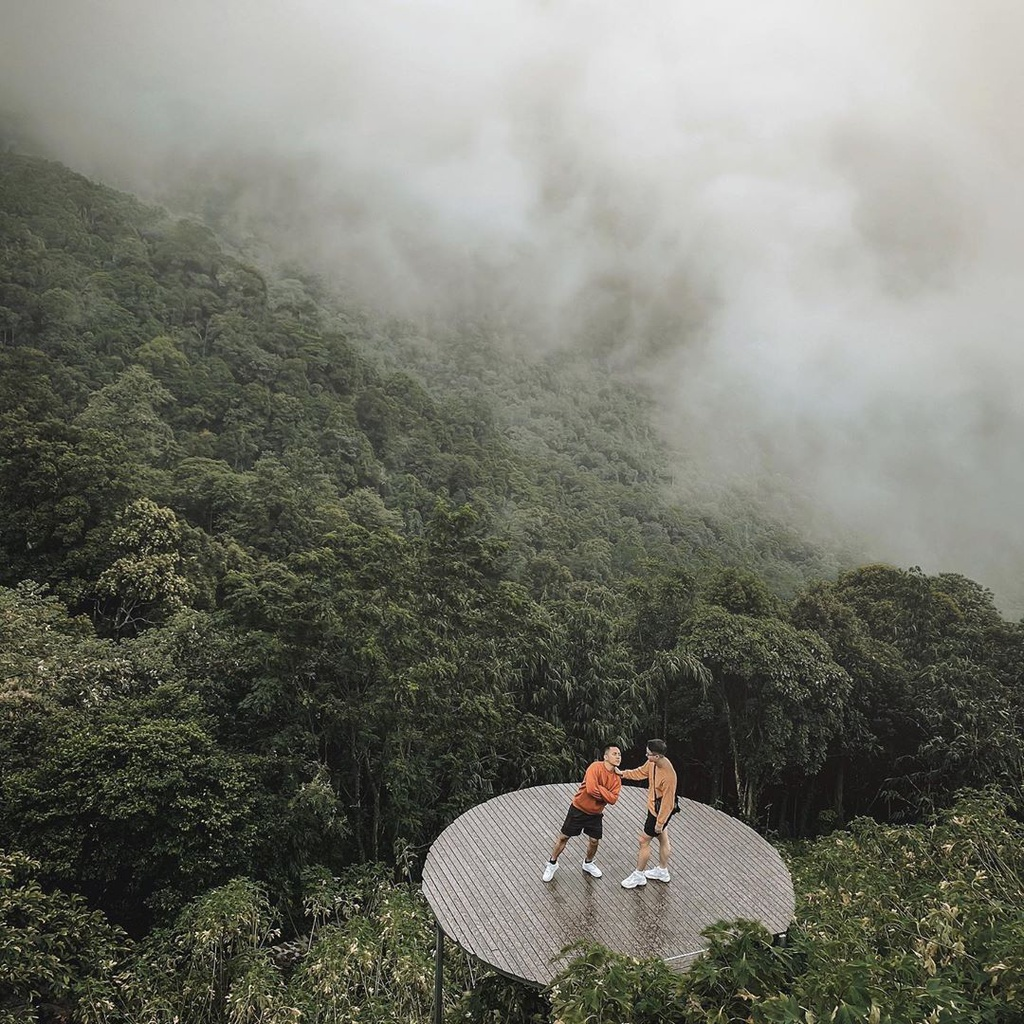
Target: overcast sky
column 803, row 223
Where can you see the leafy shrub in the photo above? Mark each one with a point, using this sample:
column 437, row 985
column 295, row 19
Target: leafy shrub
column 55, row 952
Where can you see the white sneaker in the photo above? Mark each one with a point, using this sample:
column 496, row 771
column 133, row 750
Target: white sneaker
column 549, row 870
column 591, row 868
column 659, row 874
column 635, row 880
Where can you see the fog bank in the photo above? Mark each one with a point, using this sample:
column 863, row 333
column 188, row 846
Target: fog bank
column 800, row 222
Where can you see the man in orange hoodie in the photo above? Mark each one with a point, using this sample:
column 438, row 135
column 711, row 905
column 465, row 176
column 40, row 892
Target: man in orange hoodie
column 661, row 805
column 600, row 787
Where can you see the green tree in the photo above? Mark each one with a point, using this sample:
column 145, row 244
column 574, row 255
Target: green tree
column 128, row 409
column 58, row 957
column 129, row 802
column 881, row 724
column 147, row 582
column 778, row 693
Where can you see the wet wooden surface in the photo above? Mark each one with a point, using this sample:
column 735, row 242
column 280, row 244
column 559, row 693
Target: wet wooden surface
column 482, row 879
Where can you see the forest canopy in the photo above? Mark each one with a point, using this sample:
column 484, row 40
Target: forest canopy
column 286, row 586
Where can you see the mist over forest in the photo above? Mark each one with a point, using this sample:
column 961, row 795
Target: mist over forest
column 400, row 402
column 800, row 224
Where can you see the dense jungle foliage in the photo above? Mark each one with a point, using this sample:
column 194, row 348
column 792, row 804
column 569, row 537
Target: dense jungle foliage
column 286, row 586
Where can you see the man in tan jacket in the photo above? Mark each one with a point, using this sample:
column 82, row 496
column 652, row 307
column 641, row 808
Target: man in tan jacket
column 661, row 805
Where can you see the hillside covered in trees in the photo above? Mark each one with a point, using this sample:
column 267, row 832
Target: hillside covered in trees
column 286, row 586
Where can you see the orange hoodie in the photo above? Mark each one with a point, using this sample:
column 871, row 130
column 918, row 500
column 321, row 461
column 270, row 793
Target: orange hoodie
column 599, row 788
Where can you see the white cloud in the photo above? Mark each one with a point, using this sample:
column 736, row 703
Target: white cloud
column 802, row 220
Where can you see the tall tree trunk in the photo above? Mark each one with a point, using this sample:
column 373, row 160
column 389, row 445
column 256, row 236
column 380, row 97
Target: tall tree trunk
column 808, row 801
column 357, row 797
column 737, row 769
column 837, row 802
column 751, row 798
column 375, row 834
column 779, row 812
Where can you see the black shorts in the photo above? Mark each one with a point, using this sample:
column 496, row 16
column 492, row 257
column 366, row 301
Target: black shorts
column 652, row 821
column 576, row 822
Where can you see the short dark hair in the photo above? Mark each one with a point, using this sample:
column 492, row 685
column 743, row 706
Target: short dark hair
column 657, row 746
column 608, row 746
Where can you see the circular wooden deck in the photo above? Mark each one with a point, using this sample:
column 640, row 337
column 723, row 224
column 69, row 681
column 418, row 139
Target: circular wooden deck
column 482, row 878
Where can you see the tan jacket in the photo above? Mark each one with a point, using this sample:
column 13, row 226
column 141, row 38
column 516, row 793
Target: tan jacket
column 661, row 787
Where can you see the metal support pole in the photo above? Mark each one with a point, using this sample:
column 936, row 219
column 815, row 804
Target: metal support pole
column 438, row 973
